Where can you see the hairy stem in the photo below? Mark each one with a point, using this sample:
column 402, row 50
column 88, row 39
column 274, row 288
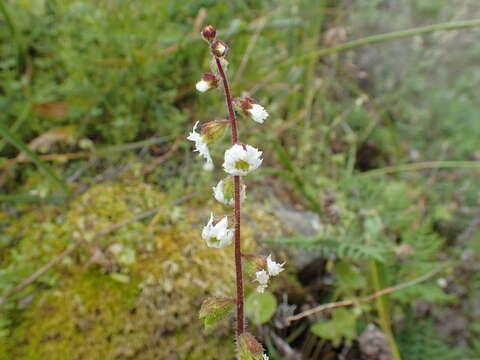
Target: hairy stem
column 236, row 179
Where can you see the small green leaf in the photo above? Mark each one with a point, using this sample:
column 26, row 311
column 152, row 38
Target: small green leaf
column 349, row 277
column 249, row 347
column 215, row 310
column 260, row 307
column 342, row 324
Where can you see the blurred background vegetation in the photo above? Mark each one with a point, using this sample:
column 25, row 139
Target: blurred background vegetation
column 370, row 178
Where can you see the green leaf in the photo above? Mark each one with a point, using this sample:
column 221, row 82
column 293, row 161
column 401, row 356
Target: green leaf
column 373, row 227
column 215, row 310
column 249, row 347
column 342, row 325
column 349, row 277
column 260, row 307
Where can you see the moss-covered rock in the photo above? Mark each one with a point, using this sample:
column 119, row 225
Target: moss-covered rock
column 134, row 294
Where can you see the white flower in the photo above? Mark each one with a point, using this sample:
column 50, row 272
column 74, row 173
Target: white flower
column 251, row 108
column 202, row 86
column 240, row 160
column 224, row 192
column 258, row 113
column 273, row 267
column 209, row 81
column 201, row 147
column 442, row 282
column 265, row 357
column 217, row 235
column 262, row 277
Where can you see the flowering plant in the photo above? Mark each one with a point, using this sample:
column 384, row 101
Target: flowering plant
column 239, row 160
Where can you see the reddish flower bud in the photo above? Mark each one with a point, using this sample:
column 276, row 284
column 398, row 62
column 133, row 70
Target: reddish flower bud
column 244, row 103
column 209, row 81
column 219, row 48
column 209, row 32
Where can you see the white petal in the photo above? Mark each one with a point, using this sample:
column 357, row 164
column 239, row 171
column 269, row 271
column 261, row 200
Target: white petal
column 236, row 153
column 262, row 277
column 202, row 86
column 218, row 235
column 273, row 267
column 219, row 194
column 201, row 147
column 220, row 48
column 208, row 166
column 261, row 288
column 258, row 113
column 207, row 228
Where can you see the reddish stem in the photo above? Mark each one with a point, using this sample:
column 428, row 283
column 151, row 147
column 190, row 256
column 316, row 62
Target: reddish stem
column 236, row 179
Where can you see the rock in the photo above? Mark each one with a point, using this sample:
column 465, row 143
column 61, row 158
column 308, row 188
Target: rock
column 149, row 309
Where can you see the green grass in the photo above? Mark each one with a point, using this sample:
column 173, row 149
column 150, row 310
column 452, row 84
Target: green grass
column 391, row 130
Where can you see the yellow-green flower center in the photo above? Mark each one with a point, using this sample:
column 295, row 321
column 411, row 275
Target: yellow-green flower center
column 242, row 165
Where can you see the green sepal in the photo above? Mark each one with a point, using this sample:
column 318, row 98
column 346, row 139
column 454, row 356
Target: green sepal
column 213, row 130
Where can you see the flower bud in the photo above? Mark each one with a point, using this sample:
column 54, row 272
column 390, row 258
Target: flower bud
column 249, row 347
column 209, row 81
column 214, row 310
column 219, row 48
column 251, row 108
column 209, row 32
column 213, row 130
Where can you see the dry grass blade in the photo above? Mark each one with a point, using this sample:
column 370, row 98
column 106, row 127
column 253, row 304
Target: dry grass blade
column 368, row 298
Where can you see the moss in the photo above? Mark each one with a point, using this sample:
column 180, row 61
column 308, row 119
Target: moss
column 86, row 314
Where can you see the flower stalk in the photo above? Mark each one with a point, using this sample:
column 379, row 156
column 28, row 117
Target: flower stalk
column 239, row 160
column 236, row 191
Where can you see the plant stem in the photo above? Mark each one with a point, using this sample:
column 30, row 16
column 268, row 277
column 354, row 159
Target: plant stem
column 383, row 309
column 375, row 295
column 422, row 166
column 236, row 179
column 380, row 38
